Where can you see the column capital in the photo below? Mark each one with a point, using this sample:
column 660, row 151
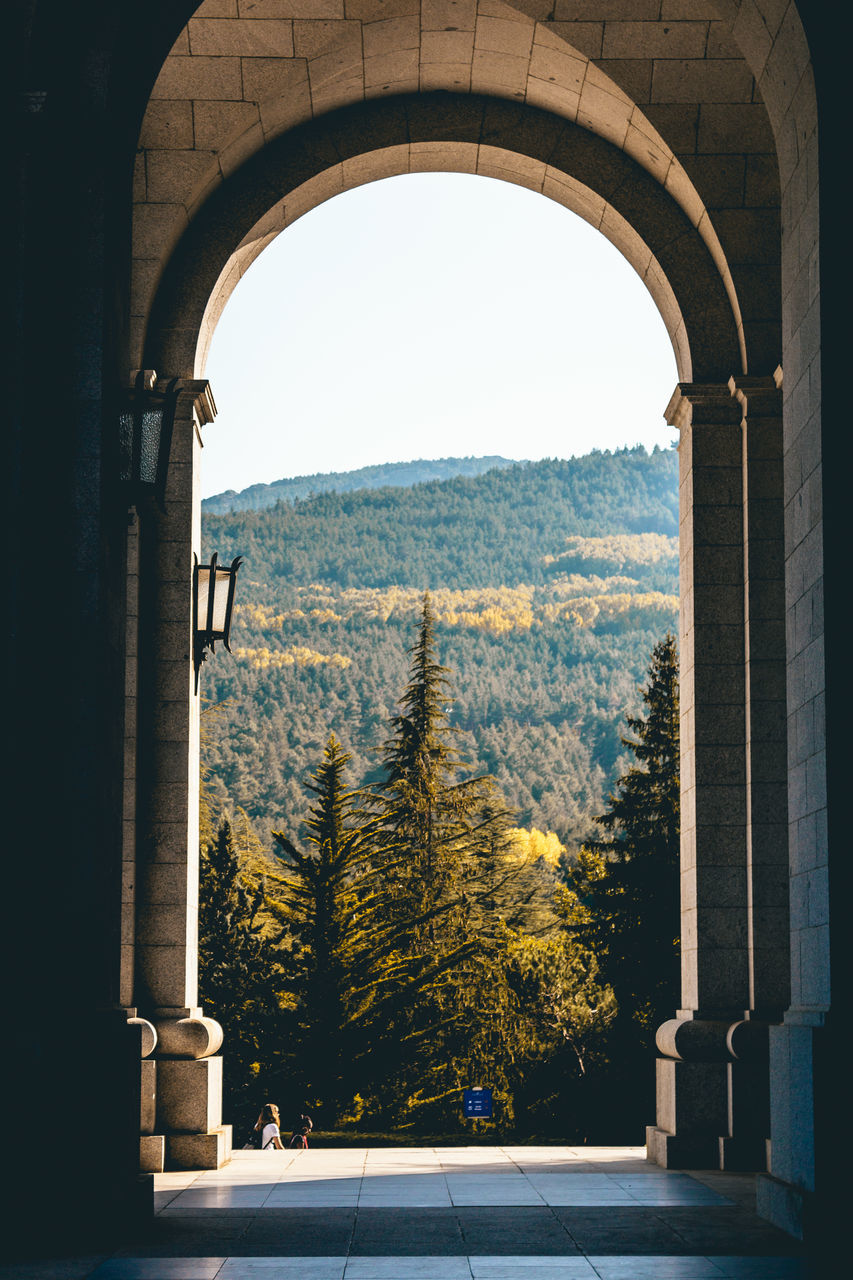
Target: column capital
column 194, row 1037
column 194, row 396
column 760, row 396
column 701, row 403
column 197, row 393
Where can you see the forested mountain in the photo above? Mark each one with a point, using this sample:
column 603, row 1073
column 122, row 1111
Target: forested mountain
column 551, row 582
column 400, row 474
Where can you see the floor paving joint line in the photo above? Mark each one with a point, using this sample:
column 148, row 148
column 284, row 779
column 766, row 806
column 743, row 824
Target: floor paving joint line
column 558, row 1213
column 449, row 1267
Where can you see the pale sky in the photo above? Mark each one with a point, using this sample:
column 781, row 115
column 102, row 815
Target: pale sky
column 431, row 316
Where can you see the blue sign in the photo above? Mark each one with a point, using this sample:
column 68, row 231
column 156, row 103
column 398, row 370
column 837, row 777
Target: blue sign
column 477, row 1102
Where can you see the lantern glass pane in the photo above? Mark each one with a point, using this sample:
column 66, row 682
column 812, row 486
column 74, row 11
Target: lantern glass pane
column 152, row 425
column 220, row 603
column 203, row 590
column 125, row 441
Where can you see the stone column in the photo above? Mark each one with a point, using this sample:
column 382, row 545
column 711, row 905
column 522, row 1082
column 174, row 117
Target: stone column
column 745, row 1145
column 131, row 735
column 766, row 728
column 188, row 1077
column 692, row 1077
column 803, row 1188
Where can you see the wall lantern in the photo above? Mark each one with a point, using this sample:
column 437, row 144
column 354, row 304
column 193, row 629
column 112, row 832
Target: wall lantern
column 145, row 436
column 213, row 604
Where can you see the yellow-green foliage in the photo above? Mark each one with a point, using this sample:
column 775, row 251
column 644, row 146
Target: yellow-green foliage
column 617, row 550
column 266, row 619
column 530, row 845
column 574, row 600
column 634, row 609
column 590, row 867
column 563, row 1002
column 297, row 655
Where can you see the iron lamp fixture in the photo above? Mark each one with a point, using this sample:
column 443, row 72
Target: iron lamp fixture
column 213, row 605
column 145, row 436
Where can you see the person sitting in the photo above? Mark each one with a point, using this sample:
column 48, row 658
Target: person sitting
column 301, row 1129
column 269, row 1126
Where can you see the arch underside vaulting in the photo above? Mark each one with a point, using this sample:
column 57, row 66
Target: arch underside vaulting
column 648, row 124
column 460, row 133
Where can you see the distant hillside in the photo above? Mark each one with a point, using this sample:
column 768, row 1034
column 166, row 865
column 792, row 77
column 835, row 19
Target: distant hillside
column 496, row 529
column 399, row 474
column 551, row 583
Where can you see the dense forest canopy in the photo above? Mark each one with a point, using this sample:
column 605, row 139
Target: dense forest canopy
column 551, row 582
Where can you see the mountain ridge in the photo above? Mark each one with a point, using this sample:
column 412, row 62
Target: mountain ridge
column 258, row 497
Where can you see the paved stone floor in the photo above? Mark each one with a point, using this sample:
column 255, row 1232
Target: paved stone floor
column 445, row 1213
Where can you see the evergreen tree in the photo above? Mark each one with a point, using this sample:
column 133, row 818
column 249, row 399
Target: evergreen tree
column 423, row 807
column 331, row 905
column 366, row 996
column 440, row 825
column 240, row 980
column 446, row 833
column 624, row 897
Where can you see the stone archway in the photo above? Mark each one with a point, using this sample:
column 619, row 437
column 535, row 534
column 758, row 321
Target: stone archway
column 461, row 133
column 676, row 95
column 733, row 108
column 732, row 969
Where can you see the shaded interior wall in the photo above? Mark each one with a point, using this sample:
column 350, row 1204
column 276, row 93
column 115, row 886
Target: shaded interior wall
column 813, row 1115
column 69, row 1054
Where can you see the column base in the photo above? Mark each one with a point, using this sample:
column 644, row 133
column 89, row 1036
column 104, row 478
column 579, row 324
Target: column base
column 743, row 1155
column 143, row 1200
column 152, row 1153
column 786, row 1206
column 199, row 1150
column 148, row 1098
column 672, row 1151
column 691, row 1114
column 189, row 1117
column 189, row 1095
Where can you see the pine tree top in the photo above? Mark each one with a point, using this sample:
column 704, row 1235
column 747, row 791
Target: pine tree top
column 419, row 743
column 643, row 817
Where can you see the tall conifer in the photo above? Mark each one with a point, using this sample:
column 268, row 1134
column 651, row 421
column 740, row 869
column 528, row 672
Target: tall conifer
column 625, row 899
column 240, row 980
column 444, row 831
column 439, row 823
column 330, row 904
